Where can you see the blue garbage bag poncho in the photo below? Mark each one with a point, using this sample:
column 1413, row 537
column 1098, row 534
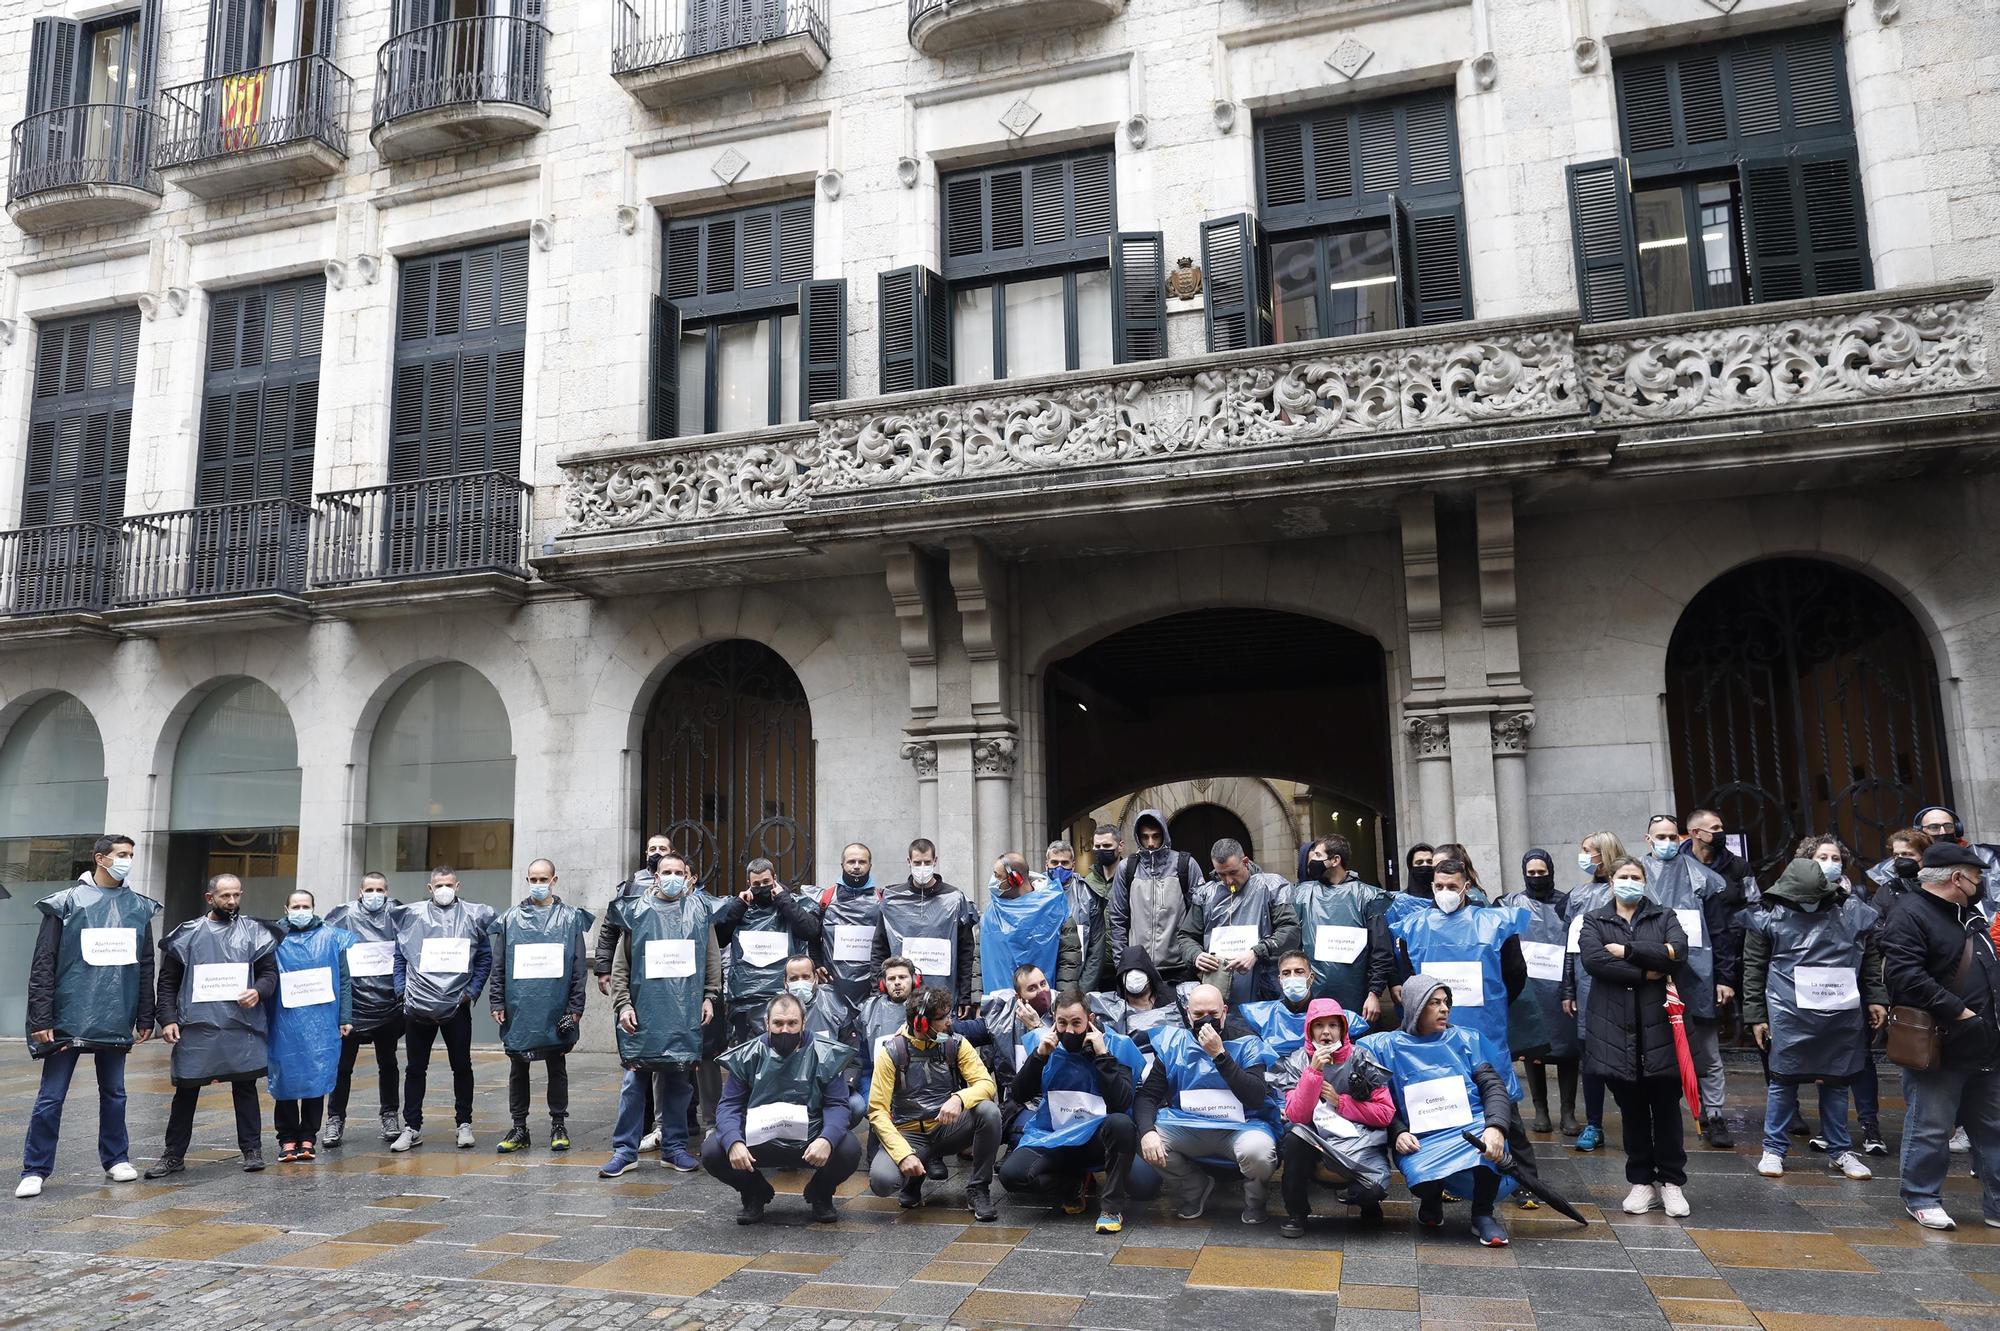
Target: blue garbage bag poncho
column 315, row 999
column 543, row 950
column 1024, row 929
column 1199, row 1097
column 1431, row 1079
column 1462, row 949
column 1282, row 1029
column 220, row 1041
column 1072, row 1104
column 97, row 970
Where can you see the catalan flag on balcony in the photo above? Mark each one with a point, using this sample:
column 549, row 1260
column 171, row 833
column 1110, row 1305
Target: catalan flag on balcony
column 242, row 110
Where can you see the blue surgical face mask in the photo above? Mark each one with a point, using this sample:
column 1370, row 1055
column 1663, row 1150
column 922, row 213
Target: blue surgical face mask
column 1831, row 868
column 299, row 919
column 671, row 886
column 1584, row 862
column 1666, row 850
column 1295, row 988
column 121, row 867
column 801, row 990
column 373, row 901
column 1628, row 891
column 540, row 891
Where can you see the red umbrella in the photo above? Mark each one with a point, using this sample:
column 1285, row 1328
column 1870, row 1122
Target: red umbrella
column 1675, row 1018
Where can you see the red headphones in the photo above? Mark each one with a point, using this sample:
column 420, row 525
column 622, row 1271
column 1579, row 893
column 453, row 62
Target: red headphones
column 916, row 982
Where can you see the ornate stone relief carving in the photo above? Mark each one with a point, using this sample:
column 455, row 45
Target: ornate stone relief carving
column 1429, row 735
column 1587, row 53
column 993, row 755
column 1510, row 732
column 1349, row 57
column 922, row 754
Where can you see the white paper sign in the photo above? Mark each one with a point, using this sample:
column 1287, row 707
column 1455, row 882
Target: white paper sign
column 1466, row 978
column 1135, row 1020
column 1691, row 926
column 763, row 947
column 538, row 961
column 781, row 1121
column 445, row 956
column 1437, row 1104
column 1545, row 960
column 220, row 981
column 853, row 942
column 110, row 947
column 307, row 988
column 1067, row 1107
column 1338, row 943
column 368, row 959
column 1232, row 940
column 1575, row 932
column 1331, row 1124
column 1223, row 1106
column 669, row 958
column 1827, row 988
column 931, row 956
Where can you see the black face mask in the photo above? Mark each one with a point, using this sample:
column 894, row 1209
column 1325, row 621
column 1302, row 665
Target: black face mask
column 653, row 862
column 1315, row 871
column 225, row 914
column 1420, row 880
column 1541, row 886
column 1207, row 1024
column 786, row 1042
column 1907, row 868
column 1073, row 1041
column 855, row 879
column 1105, row 858
column 761, row 895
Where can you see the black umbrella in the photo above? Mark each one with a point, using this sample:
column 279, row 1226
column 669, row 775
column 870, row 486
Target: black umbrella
column 1529, row 1181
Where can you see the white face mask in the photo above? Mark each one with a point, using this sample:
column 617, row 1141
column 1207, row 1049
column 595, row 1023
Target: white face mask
column 1585, row 863
column 444, row 896
column 921, row 874
column 1449, row 899
column 373, row 901
column 121, row 867
column 1136, row 982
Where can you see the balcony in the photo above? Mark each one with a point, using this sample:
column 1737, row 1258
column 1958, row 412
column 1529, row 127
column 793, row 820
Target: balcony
column 55, row 581
column 1874, row 377
column 672, row 51
column 388, row 548
column 82, row 166
column 284, row 124
column 938, row 26
column 223, row 566
column 459, row 84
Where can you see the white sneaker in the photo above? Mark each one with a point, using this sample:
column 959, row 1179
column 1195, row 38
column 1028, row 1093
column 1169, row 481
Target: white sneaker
column 1960, row 1143
column 1848, row 1163
column 1643, row 1198
column 407, row 1138
column 1673, row 1201
column 1771, row 1165
column 29, row 1186
column 1934, row 1217
column 464, row 1136
column 122, row 1172
column 649, row 1143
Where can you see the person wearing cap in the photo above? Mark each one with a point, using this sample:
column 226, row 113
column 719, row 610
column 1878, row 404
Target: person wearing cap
column 1938, row 956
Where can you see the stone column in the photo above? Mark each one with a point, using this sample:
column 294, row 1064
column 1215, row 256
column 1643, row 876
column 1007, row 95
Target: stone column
column 1430, row 738
column 923, row 755
column 993, row 777
column 1510, row 785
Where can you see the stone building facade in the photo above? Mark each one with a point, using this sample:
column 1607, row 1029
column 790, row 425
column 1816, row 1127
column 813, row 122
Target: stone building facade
column 1435, row 568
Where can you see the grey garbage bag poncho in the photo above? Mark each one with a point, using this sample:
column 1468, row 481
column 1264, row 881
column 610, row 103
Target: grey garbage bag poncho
column 923, row 926
column 1542, row 948
column 371, row 962
column 541, row 952
column 97, row 971
column 669, row 942
column 1334, row 921
column 220, row 1040
column 788, row 1092
column 1682, row 885
column 437, row 944
column 1815, row 991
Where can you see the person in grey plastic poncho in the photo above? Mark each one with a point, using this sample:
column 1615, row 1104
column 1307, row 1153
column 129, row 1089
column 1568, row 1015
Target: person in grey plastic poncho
column 442, row 961
column 931, row 922
column 537, row 999
column 1238, row 925
column 377, row 1007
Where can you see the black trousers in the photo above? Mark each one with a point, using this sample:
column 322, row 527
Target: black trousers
column 517, row 1086
column 1485, row 1190
column 297, row 1120
column 1302, row 1161
column 417, row 1041
column 385, row 1038
column 180, row 1118
column 1057, row 1171
column 846, row 1158
column 1654, row 1149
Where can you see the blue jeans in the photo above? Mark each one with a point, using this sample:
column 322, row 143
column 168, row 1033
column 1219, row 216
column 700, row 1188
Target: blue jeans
column 673, row 1088
column 1781, row 1106
column 1865, row 1086
column 45, row 1123
column 1939, row 1101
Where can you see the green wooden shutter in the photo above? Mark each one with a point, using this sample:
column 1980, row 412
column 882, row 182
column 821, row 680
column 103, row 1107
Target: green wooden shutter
column 1805, row 227
column 1606, row 248
column 913, row 323
column 664, row 402
column 1139, row 296
column 1239, row 296
column 80, row 419
column 822, row 343
column 52, row 64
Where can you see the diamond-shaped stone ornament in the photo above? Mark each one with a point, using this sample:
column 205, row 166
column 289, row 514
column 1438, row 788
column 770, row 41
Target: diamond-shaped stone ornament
column 1019, row 118
column 1348, row 57
column 729, row 166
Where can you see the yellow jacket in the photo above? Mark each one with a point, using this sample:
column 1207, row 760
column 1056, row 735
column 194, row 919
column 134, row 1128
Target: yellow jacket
column 978, row 1086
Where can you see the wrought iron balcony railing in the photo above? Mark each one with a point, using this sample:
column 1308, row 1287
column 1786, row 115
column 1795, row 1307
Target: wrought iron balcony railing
column 291, row 102
column 92, row 144
column 244, row 549
column 62, row 568
column 474, row 523
column 460, row 63
column 652, row 33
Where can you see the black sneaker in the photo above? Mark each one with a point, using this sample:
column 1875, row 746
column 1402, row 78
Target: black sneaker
column 1294, row 1227
column 980, row 1200
column 912, row 1195
column 1718, row 1133
column 164, row 1167
column 253, row 1161
column 752, row 1212
column 936, row 1170
column 1871, row 1141
column 822, row 1210
column 1430, row 1212
column 515, row 1140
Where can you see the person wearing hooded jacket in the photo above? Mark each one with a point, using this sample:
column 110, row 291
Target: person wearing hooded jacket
column 1151, row 894
column 1140, row 1003
column 1542, row 951
column 1865, row 1090
column 927, row 920
column 1334, row 1102
column 1238, row 925
column 1812, row 983
column 377, row 1009
column 313, row 1015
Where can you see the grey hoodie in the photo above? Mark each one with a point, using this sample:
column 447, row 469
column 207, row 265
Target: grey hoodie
column 1149, row 916
column 1417, row 991
column 1495, row 1104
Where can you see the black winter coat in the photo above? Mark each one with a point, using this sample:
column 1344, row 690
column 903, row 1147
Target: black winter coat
column 1626, row 1035
column 1922, row 945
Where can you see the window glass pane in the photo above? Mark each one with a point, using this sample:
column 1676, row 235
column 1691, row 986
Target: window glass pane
column 1721, row 242
column 267, row 860
column 52, row 772
column 972, row 335
column 1093, row 319
column 1035, row 339
column 236, row 764
column 743, row 375
column 1295, row 289
column 443, row 750
column 1665, row 280
column 788, row 369
column 1361, row 283
column 694, row 382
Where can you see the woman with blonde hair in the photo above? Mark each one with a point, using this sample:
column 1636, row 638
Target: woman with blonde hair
column 1596, row 854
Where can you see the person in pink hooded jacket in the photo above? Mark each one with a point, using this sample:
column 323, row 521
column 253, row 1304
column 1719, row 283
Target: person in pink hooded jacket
column 1339, row 1111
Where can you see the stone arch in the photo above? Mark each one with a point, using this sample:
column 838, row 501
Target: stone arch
column 1276, row 828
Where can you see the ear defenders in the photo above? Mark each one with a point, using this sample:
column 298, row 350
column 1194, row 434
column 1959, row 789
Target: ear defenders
column 1957, row 823
column 916, row 982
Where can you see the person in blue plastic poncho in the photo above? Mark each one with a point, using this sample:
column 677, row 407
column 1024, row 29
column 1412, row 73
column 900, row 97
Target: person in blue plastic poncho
column 1205, row 1102
column 314, row 1013
column 1026, row 923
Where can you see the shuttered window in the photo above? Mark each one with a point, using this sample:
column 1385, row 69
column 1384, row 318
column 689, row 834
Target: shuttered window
column 1744, row 183
column 1026, row 215
column 260, row 397
column 80, row 420
column 1363, row 222
column 743, row 337
column 461, row 320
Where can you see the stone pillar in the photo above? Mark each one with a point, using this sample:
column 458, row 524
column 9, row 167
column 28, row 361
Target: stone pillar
column 1510, row 786
column 923, row 756
column 1430, row 739
column 1474, row 821
column 993, row 778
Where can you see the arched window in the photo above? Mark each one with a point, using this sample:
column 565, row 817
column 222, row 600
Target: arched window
column 1801, row 699
column 235, row 801
column 51, row 809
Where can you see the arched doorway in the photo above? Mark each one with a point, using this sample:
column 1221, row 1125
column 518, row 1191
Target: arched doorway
column 1194, row 700
column 729, row 763
column 234, row 803
column 1199, row 826
column 52, row 792
column 1802, row 698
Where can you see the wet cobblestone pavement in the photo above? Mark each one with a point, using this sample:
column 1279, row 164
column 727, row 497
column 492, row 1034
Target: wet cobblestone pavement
column 470, row 1239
